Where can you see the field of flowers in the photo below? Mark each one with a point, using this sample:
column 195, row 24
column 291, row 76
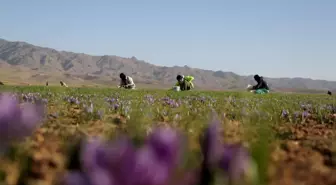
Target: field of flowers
column 78, row 136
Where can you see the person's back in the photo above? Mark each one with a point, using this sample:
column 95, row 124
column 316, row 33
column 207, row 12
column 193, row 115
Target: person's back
column 261, row 83
column 261, row 86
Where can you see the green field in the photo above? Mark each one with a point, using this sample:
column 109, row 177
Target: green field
column 291, row 137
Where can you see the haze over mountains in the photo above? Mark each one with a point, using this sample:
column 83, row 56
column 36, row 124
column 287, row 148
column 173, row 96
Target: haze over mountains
column 26, row 62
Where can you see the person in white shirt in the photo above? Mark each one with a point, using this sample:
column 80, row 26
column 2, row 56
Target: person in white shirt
column 126, row 82
column 63, row 84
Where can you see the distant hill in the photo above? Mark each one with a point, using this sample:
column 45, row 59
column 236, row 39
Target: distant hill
column 26, row 62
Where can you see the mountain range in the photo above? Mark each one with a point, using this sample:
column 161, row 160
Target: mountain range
column 25, row 63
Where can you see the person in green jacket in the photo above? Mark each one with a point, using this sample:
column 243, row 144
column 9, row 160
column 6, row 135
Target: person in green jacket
column 185, row 82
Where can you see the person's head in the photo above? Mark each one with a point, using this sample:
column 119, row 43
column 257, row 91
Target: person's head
column 329, row 92
column 179, row 78
column 257, row 78
column 122, row 76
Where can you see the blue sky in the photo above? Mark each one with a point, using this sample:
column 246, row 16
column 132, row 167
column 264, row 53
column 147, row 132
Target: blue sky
column 275, row 38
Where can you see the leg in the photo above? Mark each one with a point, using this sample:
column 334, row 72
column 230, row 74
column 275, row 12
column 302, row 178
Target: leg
column 188, row 85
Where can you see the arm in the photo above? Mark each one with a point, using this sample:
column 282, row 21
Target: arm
column 261, row 84
column 255, row 87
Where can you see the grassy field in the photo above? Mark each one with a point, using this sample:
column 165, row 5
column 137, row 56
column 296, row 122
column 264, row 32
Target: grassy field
column 291, row 138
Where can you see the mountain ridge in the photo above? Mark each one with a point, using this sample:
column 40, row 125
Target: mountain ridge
column 33, row 61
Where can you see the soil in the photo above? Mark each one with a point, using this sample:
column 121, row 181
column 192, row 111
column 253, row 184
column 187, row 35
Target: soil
column 304, row 154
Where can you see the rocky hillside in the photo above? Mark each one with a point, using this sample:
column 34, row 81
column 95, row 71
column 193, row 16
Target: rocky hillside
column 40, row 64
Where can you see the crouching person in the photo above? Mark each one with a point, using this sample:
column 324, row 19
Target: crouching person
column 261, row 87
column 63, row 84
column 185, row 82
column 126, row 82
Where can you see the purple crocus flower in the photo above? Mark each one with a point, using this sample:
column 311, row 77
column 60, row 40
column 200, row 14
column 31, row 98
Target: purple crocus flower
column 210, row 143
column 166, row 143
column 305, row 114
column 17, row 122
column 284, row 113
column 211, row 150
column 116, row 106
column 89, row 157
column 149, row 170
column 234, row 159
column 158, row 159
column 76, row 178
column 237, row 162
column 91, row 172
column 118, row 158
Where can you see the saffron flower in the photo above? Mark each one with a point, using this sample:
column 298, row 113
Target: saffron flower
column 233, row 159
column 120, row 162
column 18, row 121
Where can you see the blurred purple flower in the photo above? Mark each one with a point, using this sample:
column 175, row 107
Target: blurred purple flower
column 167, row 145
column 73, row 100
column 75, row 178
column 118, row 158
column 211, row 150
column 17, row 122
column 89, row 159
column 149, row 170
column 211, row 144
column 233, row 159
column 284, row 113
column 305, row 114
column 237, row 162
column 116, row 106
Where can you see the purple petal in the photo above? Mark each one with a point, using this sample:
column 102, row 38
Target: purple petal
column 89, row 158
column 15, row 122
column 75, row 178
column 10, row 114
column 230, row 152
column 166, row 144
column 100, row 176
column 149, row 170
column 31, row 116
column 236, row 160
column 211, row 144
column 118, row 159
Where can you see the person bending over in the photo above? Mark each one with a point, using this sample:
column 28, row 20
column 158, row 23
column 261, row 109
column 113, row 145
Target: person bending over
column 126, row 82
column 184, row 82
column 261, row 87
column 63, row 84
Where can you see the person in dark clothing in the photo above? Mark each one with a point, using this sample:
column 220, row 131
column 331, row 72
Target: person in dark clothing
column 261, row 87
column 329, row 92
